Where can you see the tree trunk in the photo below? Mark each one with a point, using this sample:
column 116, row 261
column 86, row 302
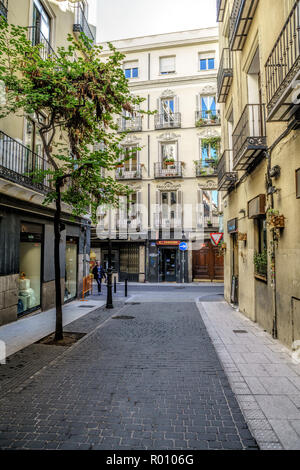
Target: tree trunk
column 57, row 230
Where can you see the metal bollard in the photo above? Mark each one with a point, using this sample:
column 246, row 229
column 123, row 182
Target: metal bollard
column 115, row 285
column 126, row 287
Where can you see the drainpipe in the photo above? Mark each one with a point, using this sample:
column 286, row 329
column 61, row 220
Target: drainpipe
column 270, row 193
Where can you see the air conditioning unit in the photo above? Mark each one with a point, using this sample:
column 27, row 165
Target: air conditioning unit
column 257, row 207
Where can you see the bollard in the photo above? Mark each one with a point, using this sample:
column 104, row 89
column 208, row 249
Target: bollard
column 115, row 285
column 126, row 287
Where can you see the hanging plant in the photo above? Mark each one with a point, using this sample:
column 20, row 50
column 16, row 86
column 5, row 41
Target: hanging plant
column 275, row 219
column 260, row 261
column 213, row 142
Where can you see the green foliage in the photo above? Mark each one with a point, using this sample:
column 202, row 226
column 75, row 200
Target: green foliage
column 261, row 262
column 79, row 94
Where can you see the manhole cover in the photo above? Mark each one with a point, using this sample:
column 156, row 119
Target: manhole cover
column 87, row 306
column 123, row 317
column 239, row 332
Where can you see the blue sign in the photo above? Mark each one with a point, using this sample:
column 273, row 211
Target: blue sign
column 183, row 246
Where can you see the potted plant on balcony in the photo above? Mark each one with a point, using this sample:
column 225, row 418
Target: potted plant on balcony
column 169, row 161
column 213, row 118
column 200, row 122
column 275, row 219
column 209, row 223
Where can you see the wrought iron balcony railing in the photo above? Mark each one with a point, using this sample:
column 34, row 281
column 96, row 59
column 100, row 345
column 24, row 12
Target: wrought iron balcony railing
column 130, row 125
column 249, row 137
column 225, row 75
column 283, row 69
column 207, row 221
column 133, row 173
column 221, row 5
column 206, row 168
column 81, row 24
column 207, row 118
column 17, row 163
column 168, row 170
column 226, row 177
column 36, row 37
column 240, row 22
column 3, row 8
column 167, row 121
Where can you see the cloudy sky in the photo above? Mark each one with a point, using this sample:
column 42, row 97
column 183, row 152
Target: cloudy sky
column 118, row 19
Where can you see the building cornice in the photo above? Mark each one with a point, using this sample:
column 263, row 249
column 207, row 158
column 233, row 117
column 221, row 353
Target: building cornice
column 163, row 82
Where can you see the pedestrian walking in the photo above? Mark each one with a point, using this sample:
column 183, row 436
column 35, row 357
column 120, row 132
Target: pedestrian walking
column 98, row 273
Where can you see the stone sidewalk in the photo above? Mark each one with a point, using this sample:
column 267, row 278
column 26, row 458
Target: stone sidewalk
column 148, row 379
column 262, row 374
column 29, row 329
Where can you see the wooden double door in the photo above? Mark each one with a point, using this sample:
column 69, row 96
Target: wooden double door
column 207, row 264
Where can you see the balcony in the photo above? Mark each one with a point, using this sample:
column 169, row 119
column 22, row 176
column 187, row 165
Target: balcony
column 3, row 8
column 208, row 222
column 37, row 38
column 207, row 118
column 167, row 121
column 240, row 22
column 81, row 24
column 225, row 75
column 206, row 167
column 226, row 177
column 130, row 124
column 249, row 137
column 17, row 163
column 283, row 70
column 163, row 170
column 133, row 173
column 221, row 6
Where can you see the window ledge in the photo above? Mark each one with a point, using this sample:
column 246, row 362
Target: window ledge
column 261, row 277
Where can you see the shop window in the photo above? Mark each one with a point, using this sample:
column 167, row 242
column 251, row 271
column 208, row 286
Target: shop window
column 30, row 268
column 71, row 269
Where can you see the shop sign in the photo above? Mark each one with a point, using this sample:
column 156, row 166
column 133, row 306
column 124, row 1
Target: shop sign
column 168, row 243
column 232, row 226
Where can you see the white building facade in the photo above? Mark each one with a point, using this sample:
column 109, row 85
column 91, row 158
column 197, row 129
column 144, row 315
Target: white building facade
column 173, row 175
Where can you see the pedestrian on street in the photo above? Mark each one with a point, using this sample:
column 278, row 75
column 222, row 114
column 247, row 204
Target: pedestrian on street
column 98, row 273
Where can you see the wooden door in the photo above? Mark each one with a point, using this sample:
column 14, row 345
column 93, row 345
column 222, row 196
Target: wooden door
column 207, row 265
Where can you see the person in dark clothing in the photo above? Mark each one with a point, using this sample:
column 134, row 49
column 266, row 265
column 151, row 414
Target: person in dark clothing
column 98, row 273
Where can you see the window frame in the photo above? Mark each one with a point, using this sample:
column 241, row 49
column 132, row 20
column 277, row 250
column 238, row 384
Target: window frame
column 160, row 65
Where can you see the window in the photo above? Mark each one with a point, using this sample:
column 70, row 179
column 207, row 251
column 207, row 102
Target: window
column 206, row 62
column 131, row 69
column 167, row 65
column 209, row 151
column 169, row 204
column 261, row 254
column 298, row 183
column 168, row 153
column 208, row 106
column 41, row 23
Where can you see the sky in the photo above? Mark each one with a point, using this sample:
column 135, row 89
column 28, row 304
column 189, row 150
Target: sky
column 120, row 19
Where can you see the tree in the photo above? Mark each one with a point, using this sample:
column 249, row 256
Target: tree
column 74, row 95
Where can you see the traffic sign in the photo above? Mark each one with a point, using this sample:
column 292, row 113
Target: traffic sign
column 183, row 246
column 216, row 238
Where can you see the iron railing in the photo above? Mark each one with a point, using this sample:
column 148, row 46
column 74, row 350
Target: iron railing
column 132, row 124
column 206, row 168
column 226, row 177
column 250, row 132
column 81, row 24
column 221, row 5
column 17, row 163
column 225, row 75
column 36, row 37
column 163, row 170
column 133, row 173
column 283, row 63
column 240, row 21
column 207, row 221
column 207, row 118
column 3, row 8
column 167, row 121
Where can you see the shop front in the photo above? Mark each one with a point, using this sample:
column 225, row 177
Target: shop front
column 71, row 268
column 30, row 267
column 232, row 229
column 166, row 262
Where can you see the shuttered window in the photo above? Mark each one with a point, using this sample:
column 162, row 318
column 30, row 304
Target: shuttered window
column 167, row 65
column 131, row 69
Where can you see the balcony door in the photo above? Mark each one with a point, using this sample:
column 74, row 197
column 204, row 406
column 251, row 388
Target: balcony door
column 169, row 155
column 255, row 97
column 208, row 106
column 41, row 23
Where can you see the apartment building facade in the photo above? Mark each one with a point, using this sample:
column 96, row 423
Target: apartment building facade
column 258, row 173
column 173, row 174
column 26, row 226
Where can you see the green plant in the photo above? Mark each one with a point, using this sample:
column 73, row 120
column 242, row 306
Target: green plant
column 200, row 122
column 169, row 160
column 260, row 261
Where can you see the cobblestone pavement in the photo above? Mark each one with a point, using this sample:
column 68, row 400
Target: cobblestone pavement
column 150, row 382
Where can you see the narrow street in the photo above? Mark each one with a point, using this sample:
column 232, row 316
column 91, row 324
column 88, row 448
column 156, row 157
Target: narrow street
column 150, row 379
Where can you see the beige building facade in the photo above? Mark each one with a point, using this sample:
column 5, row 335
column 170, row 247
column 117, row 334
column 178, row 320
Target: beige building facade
column 26, row 226
column 258, row 173
column 173, row 174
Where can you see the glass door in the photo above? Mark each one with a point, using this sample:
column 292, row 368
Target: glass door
column 169, row 265
column 71, row 270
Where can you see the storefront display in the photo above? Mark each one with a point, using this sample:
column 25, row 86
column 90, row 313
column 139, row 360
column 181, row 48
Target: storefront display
column 30, row 268
column 71, row 269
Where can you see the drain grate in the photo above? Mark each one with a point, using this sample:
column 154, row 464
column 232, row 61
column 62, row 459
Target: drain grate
column 86, row 306
column 123, row 317
column 239, row 332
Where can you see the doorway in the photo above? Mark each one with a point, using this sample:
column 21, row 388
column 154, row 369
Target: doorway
column 208, row 265
column 168, row 265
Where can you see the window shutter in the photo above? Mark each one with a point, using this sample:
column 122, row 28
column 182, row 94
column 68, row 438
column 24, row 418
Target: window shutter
column 199, row 216
column 176, row 104
column 198, row 107
column 167, row 64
